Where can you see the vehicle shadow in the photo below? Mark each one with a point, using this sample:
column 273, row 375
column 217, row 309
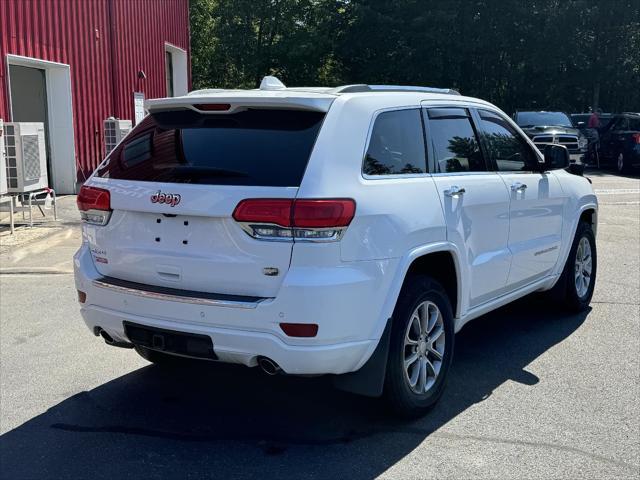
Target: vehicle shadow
column 229, row 422
column 592, row 171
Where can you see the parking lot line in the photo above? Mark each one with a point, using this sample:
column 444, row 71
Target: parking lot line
column 616, row 191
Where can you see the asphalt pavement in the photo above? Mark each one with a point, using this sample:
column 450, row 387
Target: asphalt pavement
column 532, row 393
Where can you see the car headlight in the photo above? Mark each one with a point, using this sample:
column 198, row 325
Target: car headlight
column 583, row 142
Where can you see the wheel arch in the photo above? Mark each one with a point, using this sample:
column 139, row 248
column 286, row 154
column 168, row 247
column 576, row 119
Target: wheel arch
column 587, row 212
column 369, row 377
column 441, row 266
column 441, row 261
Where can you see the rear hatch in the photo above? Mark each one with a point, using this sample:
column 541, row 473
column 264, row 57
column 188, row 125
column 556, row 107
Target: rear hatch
column 174, row 184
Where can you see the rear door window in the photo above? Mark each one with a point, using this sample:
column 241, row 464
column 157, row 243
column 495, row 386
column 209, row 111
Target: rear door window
column 454, row 142
column 396, row 146
column 621, row 124
column 252, row 147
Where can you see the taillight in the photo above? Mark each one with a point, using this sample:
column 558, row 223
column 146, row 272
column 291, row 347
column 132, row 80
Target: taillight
column 274, row 211
column 636, row 138
column 303, row 219
column 323, row 213
column 94, row 205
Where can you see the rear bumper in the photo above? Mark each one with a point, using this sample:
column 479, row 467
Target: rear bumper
column 244, row 347
column 346, row 308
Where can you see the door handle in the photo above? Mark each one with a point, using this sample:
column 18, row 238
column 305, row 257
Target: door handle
column 454, row 191
column 518, row 187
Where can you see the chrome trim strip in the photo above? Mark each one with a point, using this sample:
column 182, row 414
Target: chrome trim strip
column 176, row 298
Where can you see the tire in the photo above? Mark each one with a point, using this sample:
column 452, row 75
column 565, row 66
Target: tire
column 621, row 164
column 159, row 358
column 572, row 297
column 420, row 294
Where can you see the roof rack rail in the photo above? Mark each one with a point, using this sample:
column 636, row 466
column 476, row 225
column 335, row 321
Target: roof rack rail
column 392, row 88
column 355, row 88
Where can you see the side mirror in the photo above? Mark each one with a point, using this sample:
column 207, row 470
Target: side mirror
column 556, row 157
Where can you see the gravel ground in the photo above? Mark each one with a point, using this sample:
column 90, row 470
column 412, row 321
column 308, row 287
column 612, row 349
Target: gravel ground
column 44, row 226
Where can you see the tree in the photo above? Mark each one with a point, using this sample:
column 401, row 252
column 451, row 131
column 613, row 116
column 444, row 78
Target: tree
column 236, row 42
column 544, row 54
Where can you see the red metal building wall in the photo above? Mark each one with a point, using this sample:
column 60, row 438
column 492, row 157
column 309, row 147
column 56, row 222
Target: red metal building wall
column 106, row 43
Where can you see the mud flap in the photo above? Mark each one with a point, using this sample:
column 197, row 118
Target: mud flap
column 369, row 380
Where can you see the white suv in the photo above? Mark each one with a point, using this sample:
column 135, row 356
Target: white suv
column 348, row 231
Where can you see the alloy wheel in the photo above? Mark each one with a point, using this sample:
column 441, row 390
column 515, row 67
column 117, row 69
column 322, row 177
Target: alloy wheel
column 424, row 343
column 583, row 267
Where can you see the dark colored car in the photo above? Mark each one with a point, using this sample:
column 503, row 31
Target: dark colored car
column 581, row 122
column 546, row 128
column 620, row 142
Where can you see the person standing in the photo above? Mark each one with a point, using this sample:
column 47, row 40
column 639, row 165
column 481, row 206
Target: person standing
column 594, row 119
column 593, row 153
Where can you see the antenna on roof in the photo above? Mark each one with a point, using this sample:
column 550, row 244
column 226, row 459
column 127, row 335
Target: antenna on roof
column 271, row 83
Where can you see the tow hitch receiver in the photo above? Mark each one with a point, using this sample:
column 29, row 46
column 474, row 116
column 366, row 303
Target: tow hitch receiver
column 169, row 341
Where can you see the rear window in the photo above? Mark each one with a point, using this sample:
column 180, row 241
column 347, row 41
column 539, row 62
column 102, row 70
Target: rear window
column 396, row 146
column 252, row 147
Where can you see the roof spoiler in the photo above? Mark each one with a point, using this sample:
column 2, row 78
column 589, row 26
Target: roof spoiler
column 227, row 102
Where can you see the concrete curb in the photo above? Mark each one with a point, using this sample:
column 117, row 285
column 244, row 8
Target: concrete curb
column 34, row 271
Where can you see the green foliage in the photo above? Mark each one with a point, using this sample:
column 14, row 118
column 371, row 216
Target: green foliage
column 545, row 54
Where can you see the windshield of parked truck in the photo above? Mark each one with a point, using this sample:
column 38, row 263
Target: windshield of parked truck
column 536, row 119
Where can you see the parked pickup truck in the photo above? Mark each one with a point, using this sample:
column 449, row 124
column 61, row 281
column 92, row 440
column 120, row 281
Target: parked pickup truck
column 549, row 128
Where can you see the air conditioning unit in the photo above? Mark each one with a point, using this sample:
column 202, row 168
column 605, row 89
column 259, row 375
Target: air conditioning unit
column 26, row 156
column 4, row 189
column 114, row 131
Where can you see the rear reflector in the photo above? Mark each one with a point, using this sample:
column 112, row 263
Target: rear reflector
column 213, row 107
column 94, row 205
column 636, row 137
column 300, row 329
column 82, row 296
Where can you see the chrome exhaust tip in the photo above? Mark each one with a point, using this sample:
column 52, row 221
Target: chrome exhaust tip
column 108, row 339
column 268, row 366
